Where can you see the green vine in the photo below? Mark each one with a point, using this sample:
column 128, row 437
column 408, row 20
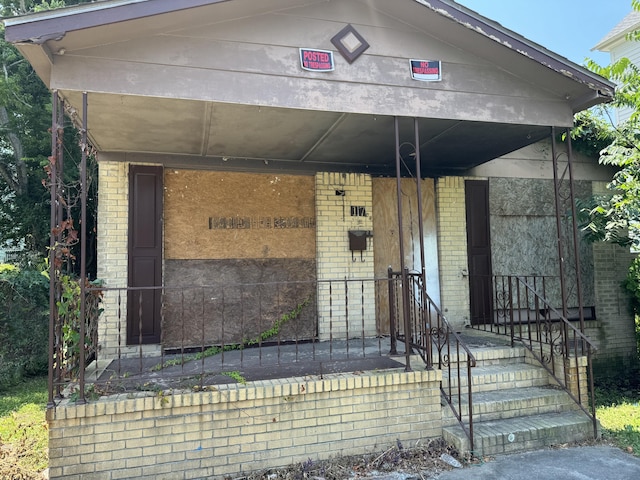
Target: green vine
column 68, row 309
column 261, row 337
column 275, row 329
column 237, row 376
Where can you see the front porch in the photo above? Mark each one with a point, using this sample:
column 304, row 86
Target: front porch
column 209, row 424
column 288, row 259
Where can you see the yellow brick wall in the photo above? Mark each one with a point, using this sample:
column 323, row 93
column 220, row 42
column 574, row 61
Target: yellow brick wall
column 112, row 257
column 233, row 429
column 452, row 245
column 615, row 332
column 616, row 329
column 335, row 261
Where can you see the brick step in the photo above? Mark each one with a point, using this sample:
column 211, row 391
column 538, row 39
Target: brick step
column 510, row 403
column 497, row 377
column 486, row 356
column 523, row 433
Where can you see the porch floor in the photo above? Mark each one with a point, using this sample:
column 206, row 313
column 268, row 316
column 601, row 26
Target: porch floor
column 258, row 363
column 266, row 362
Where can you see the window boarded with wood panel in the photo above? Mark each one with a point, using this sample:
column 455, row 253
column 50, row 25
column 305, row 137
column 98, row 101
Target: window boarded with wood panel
column 250, row 239
column 224, row 215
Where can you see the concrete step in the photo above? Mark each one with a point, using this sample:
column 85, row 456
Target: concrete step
column 522, row 433
column 497, row 377
column 514, row 402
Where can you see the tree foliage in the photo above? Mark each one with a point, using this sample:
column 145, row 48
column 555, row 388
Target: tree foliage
column 25, row 140
column 615, row 217
column 24, row 146
column 24, row 298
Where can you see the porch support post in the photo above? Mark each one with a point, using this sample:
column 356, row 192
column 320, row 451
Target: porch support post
column 574, row 226
column 59, row 199
column 556, row 187
column 61, row 189
column 52, row 242
column 403, row 270
column 426, row 310
column 83, row 247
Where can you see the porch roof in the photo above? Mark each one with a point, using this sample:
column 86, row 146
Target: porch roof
column 182, row 82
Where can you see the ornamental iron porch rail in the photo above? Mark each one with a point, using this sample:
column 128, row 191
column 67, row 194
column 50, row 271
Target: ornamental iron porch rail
column 213, row 333
column 522, row 312
column 428, row 329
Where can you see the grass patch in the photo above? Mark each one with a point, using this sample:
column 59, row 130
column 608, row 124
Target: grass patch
column 31, row 390
column 618, row 409
column 23, row 430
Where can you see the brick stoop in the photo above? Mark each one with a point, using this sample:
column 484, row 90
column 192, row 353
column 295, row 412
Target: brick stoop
column 515, row 408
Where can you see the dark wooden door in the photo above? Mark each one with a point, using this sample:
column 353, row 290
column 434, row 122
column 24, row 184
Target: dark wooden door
column 145, row 254
column 479, row 251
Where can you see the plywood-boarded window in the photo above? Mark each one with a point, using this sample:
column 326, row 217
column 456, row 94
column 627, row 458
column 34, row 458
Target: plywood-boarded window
column 227, row 215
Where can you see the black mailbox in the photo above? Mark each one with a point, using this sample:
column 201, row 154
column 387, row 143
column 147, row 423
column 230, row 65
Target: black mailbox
column 358, row 240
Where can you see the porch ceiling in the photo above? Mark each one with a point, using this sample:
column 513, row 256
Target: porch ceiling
column 217, row 135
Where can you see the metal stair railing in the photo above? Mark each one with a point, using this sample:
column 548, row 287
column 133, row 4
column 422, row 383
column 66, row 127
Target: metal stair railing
column 524, row 313
column 430, row 328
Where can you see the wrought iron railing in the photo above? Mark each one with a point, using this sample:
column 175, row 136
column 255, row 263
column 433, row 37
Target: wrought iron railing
column 522, row 311
column 67, row 341
column 277, row 329
column 425, row 328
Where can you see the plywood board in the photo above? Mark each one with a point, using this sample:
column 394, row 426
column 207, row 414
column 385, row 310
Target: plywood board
column 226, row 215
column 386, row 237
column 214, row 302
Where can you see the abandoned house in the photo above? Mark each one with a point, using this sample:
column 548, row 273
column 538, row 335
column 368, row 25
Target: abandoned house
column 316, row 220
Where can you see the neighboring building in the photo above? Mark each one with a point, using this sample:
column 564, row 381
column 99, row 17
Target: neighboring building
column 9, row 254
column 3, row 255
column 615, row 42
column 248, row 160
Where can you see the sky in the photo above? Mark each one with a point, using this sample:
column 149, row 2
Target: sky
column 570, row 28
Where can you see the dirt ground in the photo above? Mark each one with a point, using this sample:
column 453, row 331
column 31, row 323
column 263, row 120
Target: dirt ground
column 419, row 462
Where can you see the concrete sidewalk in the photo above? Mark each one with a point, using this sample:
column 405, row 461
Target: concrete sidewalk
column 579, row 463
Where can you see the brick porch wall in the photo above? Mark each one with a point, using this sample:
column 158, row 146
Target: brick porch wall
column 239, row 428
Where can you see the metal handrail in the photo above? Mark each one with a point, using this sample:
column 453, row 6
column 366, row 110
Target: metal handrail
column 548, row 333
column 587, row 347
column 425, row 333
column 561, row 317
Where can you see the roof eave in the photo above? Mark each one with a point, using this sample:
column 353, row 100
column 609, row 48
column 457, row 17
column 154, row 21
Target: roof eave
column 612, row 42
column 594, row 97
column 40, row 27
column 54, row 24
column 494, row 31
